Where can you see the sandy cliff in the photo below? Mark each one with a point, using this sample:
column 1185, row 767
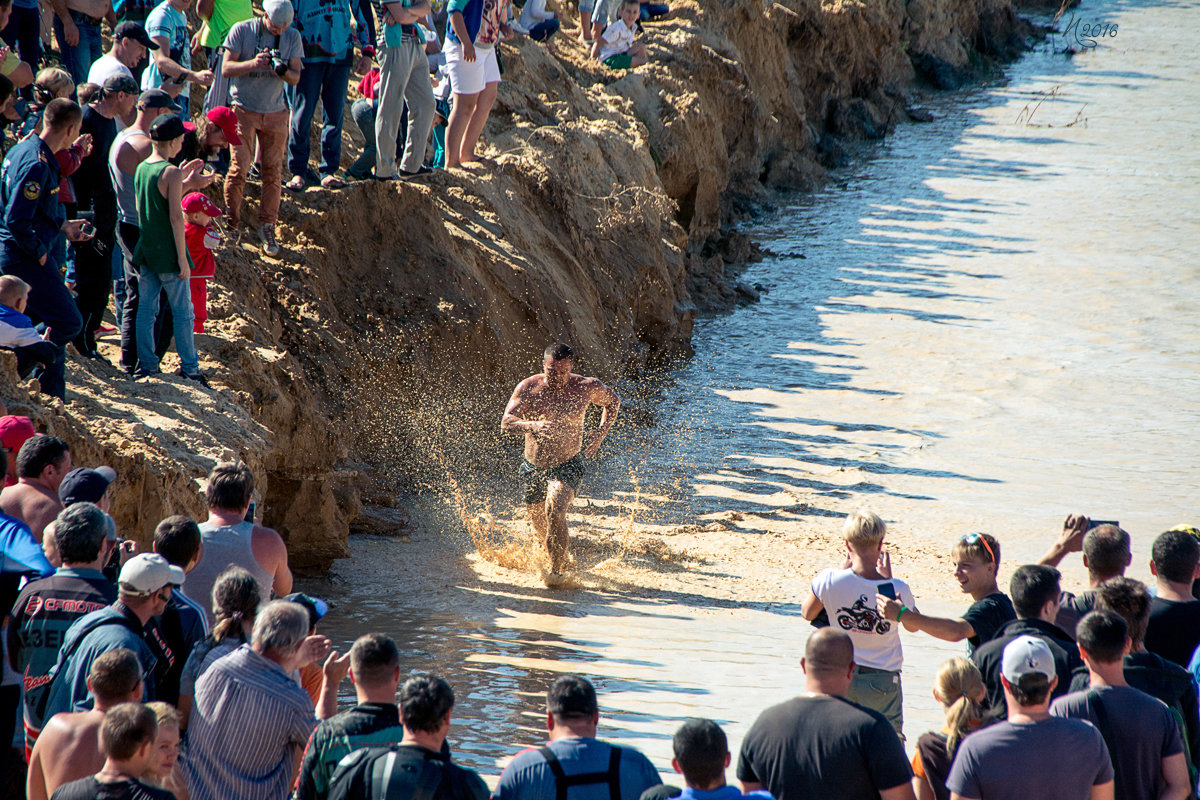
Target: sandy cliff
column 381, row 343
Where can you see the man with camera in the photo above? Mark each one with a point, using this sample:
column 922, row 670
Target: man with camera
column 262, row 56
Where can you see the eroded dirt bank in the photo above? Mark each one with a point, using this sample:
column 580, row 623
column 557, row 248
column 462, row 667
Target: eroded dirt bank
column 382, row 342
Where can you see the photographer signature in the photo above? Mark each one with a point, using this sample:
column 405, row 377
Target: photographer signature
column 1085, row 34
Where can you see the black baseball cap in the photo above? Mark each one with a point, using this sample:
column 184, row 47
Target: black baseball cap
column 83, row 485
column 157, row 98
column 120, row 82
column 167, row 128
column 135, row 31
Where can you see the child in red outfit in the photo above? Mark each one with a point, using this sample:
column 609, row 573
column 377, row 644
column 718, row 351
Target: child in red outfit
column 199, row 212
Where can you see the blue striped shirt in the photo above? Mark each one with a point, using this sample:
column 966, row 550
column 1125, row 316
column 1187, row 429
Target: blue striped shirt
column 249, row 724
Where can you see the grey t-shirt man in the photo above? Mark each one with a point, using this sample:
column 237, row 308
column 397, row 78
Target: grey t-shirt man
column 261, row 90
column 1058, row 758
column 1142, row 732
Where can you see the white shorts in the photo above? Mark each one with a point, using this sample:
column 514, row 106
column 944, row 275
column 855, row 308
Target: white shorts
column 469, row 77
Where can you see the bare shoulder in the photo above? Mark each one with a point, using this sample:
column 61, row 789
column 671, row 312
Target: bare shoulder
column 530, row 386
column 595, row 388
column 532, row 383
column 267, row 537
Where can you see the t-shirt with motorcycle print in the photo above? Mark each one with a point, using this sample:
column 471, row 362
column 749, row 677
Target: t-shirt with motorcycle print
column 850, row 603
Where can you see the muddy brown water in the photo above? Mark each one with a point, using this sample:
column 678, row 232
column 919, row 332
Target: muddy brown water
column 985, row 324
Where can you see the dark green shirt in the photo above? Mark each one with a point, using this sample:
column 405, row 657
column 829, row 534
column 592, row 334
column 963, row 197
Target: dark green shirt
column 155, row 249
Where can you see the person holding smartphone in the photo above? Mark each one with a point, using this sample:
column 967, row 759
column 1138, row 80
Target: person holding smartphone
column 976, row 561
column 849, row 595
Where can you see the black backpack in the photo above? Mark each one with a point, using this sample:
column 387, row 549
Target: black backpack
column 386, row 773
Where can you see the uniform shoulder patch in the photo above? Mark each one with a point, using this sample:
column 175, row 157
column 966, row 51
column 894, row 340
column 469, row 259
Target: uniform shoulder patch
column 31, row 190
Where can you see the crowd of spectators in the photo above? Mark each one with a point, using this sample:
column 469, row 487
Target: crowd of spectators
column 195, row 672
column 109, row 154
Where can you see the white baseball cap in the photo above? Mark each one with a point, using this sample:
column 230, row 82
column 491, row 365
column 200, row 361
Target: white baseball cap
column 149, row 572
column 1026, row 655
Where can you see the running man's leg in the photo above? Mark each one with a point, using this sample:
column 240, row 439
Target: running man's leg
column 558, row 541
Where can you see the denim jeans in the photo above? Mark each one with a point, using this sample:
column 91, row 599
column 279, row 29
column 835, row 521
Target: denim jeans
column 179, row 296
column 78, row 60
column 24, row 33
column 544, row 30
column 47, row 362
column 363, row 114
column 319, row 80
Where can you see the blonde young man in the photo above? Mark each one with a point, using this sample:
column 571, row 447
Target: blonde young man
column 849, row 596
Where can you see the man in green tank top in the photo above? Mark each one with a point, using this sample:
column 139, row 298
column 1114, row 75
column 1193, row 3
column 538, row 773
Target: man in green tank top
column 161, row 255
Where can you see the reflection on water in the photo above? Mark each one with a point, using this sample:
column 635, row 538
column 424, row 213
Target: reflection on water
column 986, row 325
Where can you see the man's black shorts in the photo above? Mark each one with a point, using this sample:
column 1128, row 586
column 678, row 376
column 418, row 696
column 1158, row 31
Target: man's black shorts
column 534, row 480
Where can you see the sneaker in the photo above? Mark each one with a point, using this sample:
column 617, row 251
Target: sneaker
column 267, row 234
column 198, row 377
column 421, row 170
column 143, row 374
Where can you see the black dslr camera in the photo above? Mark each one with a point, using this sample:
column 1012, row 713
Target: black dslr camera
column 278, row 65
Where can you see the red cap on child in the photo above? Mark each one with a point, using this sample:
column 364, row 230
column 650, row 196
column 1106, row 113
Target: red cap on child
column 195, row 202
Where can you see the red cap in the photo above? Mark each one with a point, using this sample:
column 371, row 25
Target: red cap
column 14, row 431
column 226, row 120
column 195, row 202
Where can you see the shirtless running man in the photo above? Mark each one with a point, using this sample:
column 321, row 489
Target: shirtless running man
column 549, row 409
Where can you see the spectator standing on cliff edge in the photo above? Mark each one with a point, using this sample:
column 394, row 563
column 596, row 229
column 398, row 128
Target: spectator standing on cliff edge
column 549, row 408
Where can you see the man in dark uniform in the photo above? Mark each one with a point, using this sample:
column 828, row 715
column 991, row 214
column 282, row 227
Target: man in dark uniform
column 33, row 217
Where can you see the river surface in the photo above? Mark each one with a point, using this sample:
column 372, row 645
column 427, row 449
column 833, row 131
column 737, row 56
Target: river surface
column 988, row 322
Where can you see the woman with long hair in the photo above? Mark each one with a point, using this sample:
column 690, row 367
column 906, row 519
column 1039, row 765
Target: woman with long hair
column 235, row 599
column 959, row 688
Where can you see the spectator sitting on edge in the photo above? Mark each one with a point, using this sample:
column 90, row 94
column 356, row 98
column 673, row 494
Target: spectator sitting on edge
column 32, row 350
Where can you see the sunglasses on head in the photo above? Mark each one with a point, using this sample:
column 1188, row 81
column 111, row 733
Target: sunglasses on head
column 978, row 538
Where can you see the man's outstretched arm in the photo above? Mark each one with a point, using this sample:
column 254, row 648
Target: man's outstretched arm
column 950, row 630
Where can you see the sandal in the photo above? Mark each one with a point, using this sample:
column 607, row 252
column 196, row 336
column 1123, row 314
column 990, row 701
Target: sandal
column 296, row 184
column 333, row 182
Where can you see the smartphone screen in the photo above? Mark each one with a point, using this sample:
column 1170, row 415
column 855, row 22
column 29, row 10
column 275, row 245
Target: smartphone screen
column 887, row 590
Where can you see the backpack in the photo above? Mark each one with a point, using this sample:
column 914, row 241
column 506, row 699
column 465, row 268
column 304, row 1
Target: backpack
column 386, row 773
column 563, row 781
column 64, row 655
